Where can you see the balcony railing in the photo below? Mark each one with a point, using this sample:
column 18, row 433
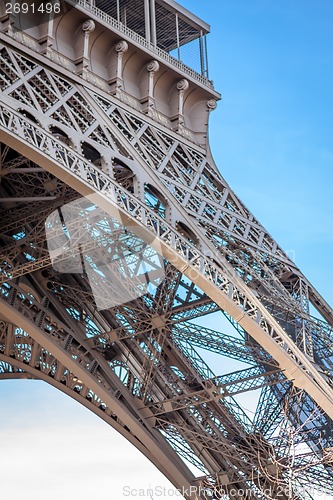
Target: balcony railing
column 135, row 37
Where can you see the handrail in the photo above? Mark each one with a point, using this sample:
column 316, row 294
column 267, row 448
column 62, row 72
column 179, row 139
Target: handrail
column 132, row 35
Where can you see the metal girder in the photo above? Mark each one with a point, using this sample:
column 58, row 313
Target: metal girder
column 53, row 335
column 226, row 289
column 221, row 343
column 219, row 388
column 26, row 350
column 65, row 135
column 17, row 366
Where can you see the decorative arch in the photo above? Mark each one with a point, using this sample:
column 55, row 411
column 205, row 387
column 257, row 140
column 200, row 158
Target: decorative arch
column 91, row 153
column 59, row 134
column 124, row 175
column 155, row 200
column 28, row 115
column 187, row 233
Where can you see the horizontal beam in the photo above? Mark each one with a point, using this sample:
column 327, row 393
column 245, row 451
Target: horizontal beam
column 27, row 199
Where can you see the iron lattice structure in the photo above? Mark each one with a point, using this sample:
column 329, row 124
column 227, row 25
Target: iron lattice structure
column 77, row 120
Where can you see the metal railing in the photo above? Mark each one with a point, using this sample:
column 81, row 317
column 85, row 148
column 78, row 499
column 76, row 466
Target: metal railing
column 132, row 35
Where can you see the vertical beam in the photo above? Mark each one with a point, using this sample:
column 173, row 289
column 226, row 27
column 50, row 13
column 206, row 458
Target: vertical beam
column 147, row 21
column 153, row 22
column 202, row 59
column 46, row 41
column 206, row 57
column 2, row 146
column 118, row 11
column 177, row 35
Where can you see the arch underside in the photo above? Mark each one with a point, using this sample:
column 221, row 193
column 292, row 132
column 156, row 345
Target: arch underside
column 142, row 366
column 17, row 366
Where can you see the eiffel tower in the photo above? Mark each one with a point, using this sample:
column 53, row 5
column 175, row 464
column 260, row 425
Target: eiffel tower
column 104, row 146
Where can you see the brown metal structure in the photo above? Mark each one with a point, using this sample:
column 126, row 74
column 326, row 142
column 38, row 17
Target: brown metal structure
column 97, row 103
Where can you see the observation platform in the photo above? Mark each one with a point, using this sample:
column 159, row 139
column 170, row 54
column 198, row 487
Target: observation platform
column 150, row 54
column 166, row 25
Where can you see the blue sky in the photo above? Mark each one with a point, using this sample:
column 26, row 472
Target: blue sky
column 271, row 137
column 271, row 134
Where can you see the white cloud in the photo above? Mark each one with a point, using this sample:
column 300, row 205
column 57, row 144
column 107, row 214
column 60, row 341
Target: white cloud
column 52, row 447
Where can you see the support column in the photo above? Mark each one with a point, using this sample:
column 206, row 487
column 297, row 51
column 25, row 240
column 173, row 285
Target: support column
column 116, row 68
column 148, row 100
column 83, row 62
column 178, row 119
column 7, row 21
column 46, row 41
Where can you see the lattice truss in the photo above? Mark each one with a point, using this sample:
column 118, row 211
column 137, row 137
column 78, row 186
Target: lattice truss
column 144, row 366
